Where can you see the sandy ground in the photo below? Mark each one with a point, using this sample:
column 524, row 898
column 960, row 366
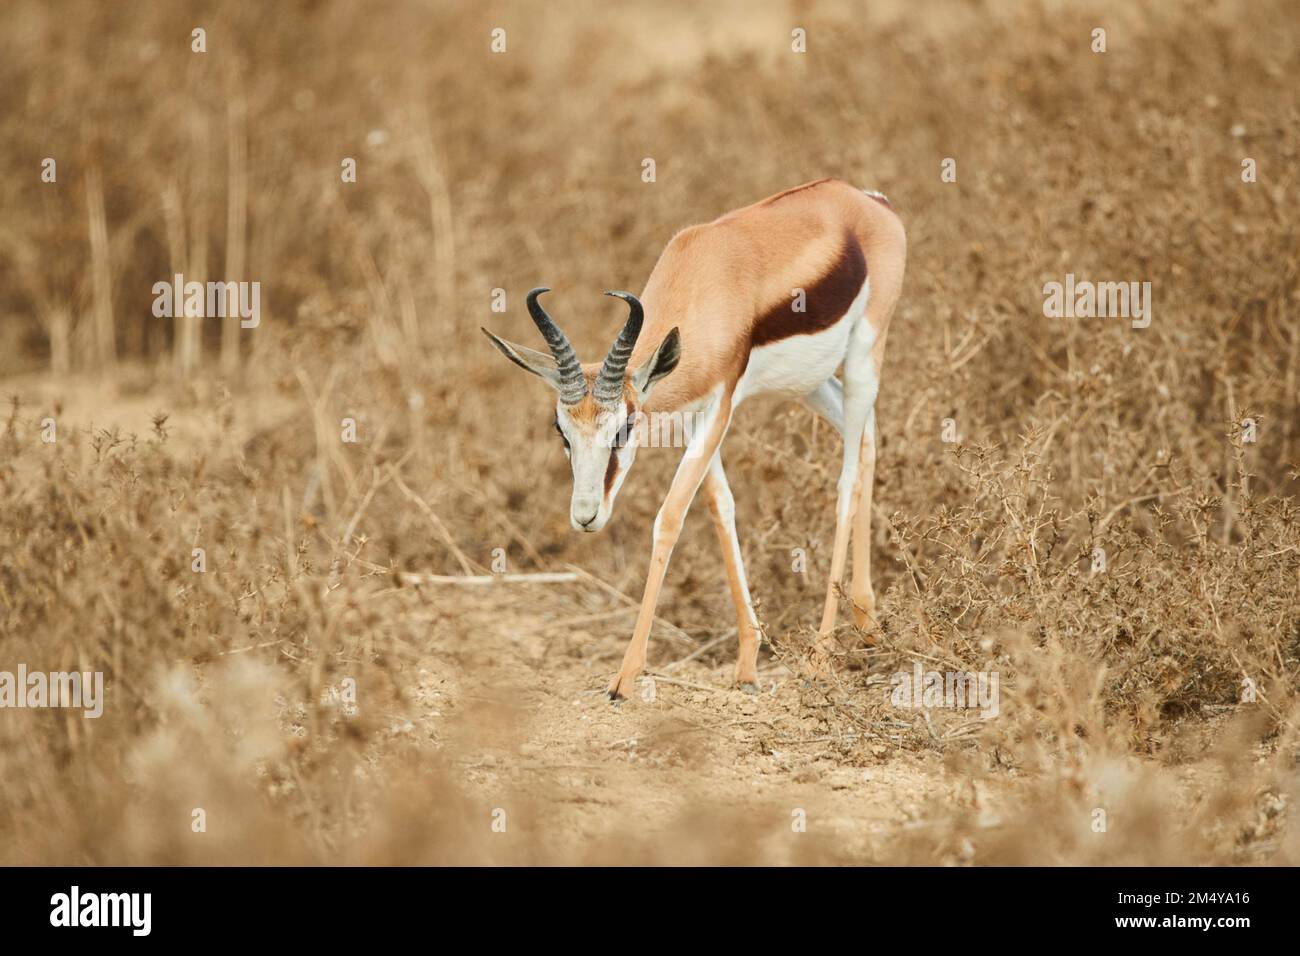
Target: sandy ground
column 691, row 744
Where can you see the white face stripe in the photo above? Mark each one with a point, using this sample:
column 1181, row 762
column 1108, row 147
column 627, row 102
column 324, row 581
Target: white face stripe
column 589, row 460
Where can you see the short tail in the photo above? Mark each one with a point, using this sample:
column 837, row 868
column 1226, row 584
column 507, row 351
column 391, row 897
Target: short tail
column 878, row 197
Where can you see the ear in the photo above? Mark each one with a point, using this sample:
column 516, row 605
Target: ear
column 660, row 364
column 539, row 363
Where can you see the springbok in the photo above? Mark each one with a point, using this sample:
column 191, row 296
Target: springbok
column 766, row 300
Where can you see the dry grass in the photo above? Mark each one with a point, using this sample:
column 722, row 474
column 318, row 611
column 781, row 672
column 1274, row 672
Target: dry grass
column 1121, row 691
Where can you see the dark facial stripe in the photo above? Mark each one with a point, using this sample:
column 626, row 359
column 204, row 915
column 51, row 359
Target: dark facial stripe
column 611, row 470
column 825, row 302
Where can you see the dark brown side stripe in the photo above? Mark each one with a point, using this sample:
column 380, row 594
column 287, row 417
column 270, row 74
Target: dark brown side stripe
column 611, row 470
column 825, row 301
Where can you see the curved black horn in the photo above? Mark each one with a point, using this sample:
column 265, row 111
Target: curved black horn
column 609, row 385
column 572, row 384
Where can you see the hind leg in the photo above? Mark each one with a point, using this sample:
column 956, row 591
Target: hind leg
column 861, row 384
column 864, row 597
column 827, row 400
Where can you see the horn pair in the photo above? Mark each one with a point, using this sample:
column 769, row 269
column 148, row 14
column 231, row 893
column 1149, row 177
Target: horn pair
column 609, row 383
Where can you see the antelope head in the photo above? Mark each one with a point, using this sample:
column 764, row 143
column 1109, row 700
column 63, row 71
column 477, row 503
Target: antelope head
column 599, row 407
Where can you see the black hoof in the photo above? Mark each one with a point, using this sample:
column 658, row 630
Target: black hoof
column 615, row 696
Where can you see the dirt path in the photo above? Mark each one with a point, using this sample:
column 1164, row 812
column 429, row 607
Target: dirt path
column 689, row 757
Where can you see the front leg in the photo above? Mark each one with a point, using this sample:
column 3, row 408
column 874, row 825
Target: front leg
column 700, row 450
column 723, row 506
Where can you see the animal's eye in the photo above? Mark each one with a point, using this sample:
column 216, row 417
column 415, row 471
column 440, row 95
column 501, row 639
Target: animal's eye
column 564, row 438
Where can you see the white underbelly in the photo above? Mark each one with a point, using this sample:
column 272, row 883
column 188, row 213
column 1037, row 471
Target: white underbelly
column 796, row 365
